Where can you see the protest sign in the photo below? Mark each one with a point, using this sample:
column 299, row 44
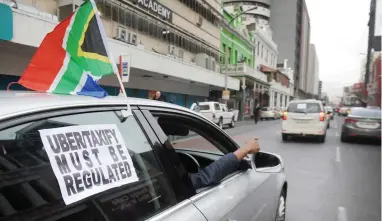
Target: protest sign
column 88, row 159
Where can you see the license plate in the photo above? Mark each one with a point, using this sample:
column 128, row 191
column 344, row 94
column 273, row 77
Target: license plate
column 367, row 125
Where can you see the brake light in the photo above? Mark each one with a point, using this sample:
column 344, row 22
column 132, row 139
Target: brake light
column 322, row 116
column 350, row 121
column 285, row 115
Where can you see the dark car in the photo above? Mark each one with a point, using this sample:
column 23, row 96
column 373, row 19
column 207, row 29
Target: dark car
column 362, row 122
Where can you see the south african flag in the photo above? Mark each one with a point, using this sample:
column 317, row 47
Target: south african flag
column 73, row 57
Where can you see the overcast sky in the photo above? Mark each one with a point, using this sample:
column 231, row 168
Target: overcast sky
column 339, row 30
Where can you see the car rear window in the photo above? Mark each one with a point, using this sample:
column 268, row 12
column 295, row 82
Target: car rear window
column 372, row 113
column 204, row 107
column 29, row 189
column 304, row 108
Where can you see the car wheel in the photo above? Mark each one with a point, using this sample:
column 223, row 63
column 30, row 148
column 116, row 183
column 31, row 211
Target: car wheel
column 281, row 208
column 220, row 123
column 321, row 139
column 232, row 124
column 285, row 137
column 344, row 138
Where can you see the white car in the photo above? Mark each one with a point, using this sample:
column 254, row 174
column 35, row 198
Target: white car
column 305, row 118
column 216, row 112
column 269, row 113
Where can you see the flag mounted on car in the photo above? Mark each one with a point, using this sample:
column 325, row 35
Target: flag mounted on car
column 73, row 57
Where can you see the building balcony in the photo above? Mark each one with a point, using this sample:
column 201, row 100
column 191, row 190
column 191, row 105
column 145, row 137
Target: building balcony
column 243, row 70
column 277, row 86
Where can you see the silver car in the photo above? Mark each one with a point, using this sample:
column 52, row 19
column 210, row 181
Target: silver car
column 28, row 179
column 362, row 122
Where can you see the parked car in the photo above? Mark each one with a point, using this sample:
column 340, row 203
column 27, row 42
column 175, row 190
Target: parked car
column 269, row 113
column 163, row 191
column 362, row 122
column 216, row 112
column 344, row 111
column 330, row 112
column 305, row 118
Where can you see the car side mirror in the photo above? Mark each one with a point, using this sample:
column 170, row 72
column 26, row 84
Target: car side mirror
column 268, row 163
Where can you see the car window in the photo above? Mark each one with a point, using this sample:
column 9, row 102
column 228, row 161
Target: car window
column 372, row 113
column 304, row 107
column 217, row 106
column 204, row 107
column 30, row 191
column 265, row 109
column 200, row 137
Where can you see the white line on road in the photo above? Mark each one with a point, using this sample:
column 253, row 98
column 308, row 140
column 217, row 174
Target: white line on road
column 341, row 214
column 338, row 156
column 337, row 134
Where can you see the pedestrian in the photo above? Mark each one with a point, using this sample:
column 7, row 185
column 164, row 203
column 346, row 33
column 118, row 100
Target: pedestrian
column 159, row 97
column 256, row 113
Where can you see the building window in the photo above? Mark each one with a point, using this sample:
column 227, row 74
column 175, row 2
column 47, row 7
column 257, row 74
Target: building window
column 206, row 13
column 154, row 28
column 262, row 51
column 229, row 55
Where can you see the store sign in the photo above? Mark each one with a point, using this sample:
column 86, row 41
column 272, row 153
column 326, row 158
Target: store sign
column 6, row 22
column 225, row 94
column 156, row 8
column 124, row 67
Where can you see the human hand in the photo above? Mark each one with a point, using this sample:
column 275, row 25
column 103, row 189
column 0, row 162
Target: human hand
column 252, row 146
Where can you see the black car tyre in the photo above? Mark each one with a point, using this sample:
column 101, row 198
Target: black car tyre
column 285, row 137
column 232, row 124
column 281, row 207
column 220, row 123
column 321, row 139
column 344, row 138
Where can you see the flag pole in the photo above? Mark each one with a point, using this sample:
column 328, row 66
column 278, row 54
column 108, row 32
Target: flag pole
column 123, row 91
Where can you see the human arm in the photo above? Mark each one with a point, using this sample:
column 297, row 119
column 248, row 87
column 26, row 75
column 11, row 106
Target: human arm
column 216, row 171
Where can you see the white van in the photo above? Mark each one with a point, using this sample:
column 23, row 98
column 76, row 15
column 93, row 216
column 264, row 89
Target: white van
column 216, row 112
column 305, row 118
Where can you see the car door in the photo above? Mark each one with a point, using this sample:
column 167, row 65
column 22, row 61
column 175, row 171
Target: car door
column 243, row 195
column 226, row 115
column 29, row 189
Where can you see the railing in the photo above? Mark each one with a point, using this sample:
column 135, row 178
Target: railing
column 278, row 86
column 244, row 70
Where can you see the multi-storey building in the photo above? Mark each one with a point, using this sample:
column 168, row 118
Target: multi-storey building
column 174, row 45
column 255, row 16
column 313, row 72
column 291, row 31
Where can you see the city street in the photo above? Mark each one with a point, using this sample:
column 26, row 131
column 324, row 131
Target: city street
column 329, row 181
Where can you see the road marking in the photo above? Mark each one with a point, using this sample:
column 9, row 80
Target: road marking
column 337, row 135
column 341, row 214
column 338, row 156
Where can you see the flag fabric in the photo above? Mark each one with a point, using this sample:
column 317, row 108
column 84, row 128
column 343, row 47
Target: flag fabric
column 73, row 57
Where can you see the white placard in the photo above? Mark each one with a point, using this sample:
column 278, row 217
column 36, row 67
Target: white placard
column 301, row 106
column 88, row 159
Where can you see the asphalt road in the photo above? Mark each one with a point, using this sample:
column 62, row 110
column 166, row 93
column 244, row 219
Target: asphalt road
column 332, row 181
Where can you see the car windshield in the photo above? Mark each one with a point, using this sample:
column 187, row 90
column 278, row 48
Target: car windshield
column 362, row 112
column 304, row 107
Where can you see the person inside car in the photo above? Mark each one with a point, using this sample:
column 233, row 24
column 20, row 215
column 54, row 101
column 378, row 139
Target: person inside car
column 227, row 164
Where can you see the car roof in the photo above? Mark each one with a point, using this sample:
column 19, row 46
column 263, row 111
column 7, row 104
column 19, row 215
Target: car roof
column 13, row 103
